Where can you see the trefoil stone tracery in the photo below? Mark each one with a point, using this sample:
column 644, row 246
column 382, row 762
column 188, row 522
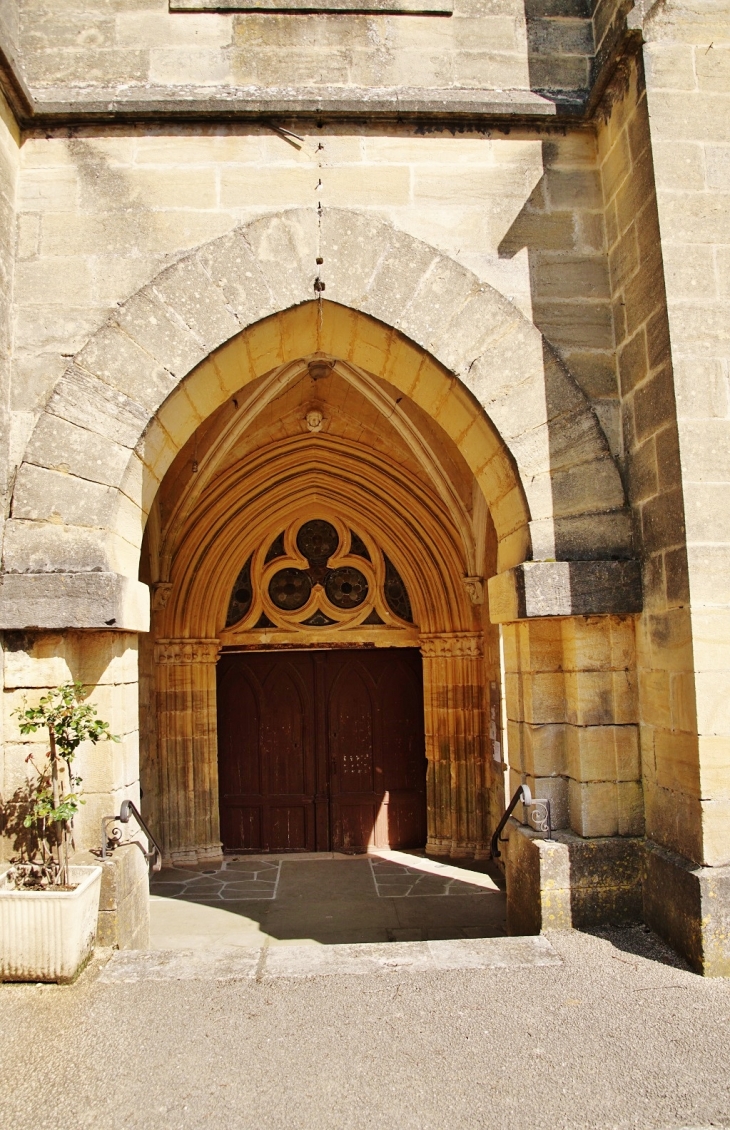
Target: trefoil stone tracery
column 318, row 575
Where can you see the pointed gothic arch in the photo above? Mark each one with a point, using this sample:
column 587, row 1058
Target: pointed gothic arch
column 248, row 302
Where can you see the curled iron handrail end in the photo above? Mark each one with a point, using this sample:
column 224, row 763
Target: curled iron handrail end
column 127, row 809
column 522, row 793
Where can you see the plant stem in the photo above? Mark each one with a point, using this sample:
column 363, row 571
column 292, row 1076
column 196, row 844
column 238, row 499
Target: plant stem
column 62, row 878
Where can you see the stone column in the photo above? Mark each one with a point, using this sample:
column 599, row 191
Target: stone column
column 187, row 749
column 455, row 728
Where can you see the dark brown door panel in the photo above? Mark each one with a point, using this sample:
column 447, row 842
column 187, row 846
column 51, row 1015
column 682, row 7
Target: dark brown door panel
column 321, row 750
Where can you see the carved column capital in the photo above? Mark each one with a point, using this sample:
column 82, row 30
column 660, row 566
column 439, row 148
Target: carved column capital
column 185, row 651
column 452, row 645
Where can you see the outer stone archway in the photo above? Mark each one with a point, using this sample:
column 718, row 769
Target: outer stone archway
column 124, row 407
column 291, row 287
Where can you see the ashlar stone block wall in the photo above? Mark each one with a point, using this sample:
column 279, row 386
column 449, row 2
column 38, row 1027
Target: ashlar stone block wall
column 152, row 52
column 650, row 453
column 572, row 721
column 105, row 663
column 9, row 165
column 101, row 213
column 688, row 101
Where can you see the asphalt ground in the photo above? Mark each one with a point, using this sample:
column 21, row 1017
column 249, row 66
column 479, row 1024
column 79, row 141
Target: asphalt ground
column 616, row 1033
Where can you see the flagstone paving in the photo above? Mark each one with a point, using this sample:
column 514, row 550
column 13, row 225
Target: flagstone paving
column 324, row 899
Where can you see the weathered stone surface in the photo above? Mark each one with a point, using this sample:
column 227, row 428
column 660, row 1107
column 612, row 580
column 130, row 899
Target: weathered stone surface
column 63, row 549
column 689, row 906
column 402, row 267
column 571, row 883
column 234, row 268
column 565, row 588
column 73, row 600
column 351, row 245
column 190, row 294
column 73, row 450
column 50, row 496
column 124, row 917
column 287, row 238
column 158, row 332
column 583, row 536
column 92, row 405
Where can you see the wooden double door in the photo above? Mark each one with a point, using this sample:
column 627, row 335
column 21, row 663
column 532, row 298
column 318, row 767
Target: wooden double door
column 321, row 750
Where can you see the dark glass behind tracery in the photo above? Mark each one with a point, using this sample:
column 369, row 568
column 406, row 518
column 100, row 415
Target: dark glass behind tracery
column 241, row 596
column 276, row 549
column 319, row 620
column 396, row 593
column 290, row 589
column 346, row 587
column 317, row 541
column 357, row 546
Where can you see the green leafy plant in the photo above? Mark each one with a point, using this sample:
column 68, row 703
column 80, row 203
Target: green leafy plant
column 55, row 795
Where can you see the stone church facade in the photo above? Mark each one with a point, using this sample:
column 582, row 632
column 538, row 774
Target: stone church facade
column 378, row 326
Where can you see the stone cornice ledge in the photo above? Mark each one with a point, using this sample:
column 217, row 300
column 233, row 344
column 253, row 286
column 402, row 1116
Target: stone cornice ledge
column 52, row 104
column 52, row 601
column 565, row 588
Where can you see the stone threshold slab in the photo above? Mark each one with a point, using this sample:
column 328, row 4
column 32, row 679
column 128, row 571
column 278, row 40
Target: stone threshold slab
column 385, row 7
column 268, row 963
column 434, row 867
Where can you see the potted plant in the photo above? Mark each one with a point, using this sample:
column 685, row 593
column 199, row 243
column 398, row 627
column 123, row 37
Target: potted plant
column 48, row 906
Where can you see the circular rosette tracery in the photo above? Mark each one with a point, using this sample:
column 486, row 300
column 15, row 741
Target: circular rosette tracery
column 290, row 589
column 346, row 587
column 317, row 541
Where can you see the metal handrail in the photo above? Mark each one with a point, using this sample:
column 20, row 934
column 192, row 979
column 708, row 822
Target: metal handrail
column 522, row 794
column 126, row 810
column 539, row 817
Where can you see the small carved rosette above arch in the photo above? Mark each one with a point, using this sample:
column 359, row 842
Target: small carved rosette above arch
column 320, row 579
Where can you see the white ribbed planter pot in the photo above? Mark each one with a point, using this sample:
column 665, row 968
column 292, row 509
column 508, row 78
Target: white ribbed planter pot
column 48, row 935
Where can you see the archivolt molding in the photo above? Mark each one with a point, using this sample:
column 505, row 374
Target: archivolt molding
column 273, row 385
column 395, row 307
column 313, row 476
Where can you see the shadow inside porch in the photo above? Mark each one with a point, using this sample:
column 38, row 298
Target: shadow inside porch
column 325, row 899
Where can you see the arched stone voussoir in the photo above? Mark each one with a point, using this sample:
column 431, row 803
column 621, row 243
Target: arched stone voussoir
column 192, row 297
column 85, row 400
column 120, row 363
column 266, row 266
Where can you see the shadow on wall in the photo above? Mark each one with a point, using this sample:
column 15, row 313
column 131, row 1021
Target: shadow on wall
column 569, row 43
column 561, row 226
column 25, row 842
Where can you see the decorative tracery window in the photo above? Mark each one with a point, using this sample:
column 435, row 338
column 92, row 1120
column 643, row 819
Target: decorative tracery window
column 318, row 574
